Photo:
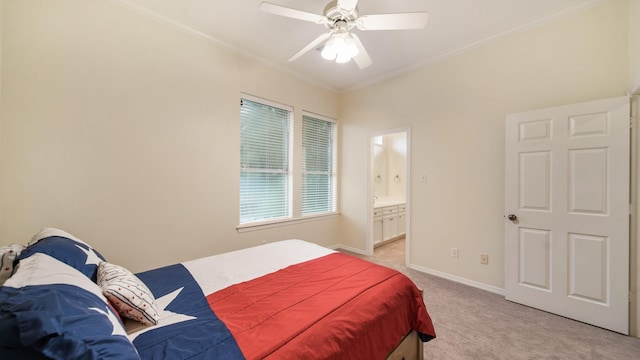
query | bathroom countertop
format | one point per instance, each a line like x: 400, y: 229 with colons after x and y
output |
x: 382, y: 202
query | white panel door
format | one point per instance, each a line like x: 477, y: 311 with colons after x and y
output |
x: 567, y: 211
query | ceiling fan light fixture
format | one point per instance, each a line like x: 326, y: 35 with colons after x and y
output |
x: 351, y: 46
x: 340, y: 17
x: 329, y: 52
x: 341, y: 47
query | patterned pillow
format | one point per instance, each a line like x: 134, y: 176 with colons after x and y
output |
x: 8, y: 255
x: 49, y: 309
x: 67, y: 249
x: 128, y: 294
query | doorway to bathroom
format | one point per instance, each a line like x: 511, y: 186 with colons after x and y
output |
x: 389, y: 188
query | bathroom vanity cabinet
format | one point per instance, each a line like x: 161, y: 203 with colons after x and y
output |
x: 389, y: 223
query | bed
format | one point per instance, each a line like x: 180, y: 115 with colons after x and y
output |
x: 283, y: 300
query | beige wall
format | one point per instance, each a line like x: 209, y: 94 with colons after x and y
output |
x: 1, y: 47
x: 634, y: 88
x: 124, y: 132
x: 456, y: 110
x: 634, y: 46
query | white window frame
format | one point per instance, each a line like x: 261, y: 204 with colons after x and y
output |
x: 295, y: 173
x: 332, y: 172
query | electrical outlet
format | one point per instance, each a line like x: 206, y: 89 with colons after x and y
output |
x: 484, y: 259
x: 454, y: 252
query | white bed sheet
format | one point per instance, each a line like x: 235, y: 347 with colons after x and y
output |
x: 217, y: 272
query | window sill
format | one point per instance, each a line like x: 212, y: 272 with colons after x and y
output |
x: 283, y: 222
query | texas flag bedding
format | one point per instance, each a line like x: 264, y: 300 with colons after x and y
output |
x: 285, y: 300
x: 188, y: 327
x: 331, y: 307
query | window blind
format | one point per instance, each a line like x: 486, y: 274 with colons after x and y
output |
x: 319, y: 153
x: 265, y: 142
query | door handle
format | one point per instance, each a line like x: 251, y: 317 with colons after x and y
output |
x: 512, y: 217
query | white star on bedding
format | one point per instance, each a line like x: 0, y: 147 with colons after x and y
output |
x: 166, y: 317
x: 92, y: 257
x: 117, y: 328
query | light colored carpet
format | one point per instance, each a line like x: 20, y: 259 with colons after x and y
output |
x: 475, y: 324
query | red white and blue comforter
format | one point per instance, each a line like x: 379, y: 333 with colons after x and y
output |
x: 287, y: 300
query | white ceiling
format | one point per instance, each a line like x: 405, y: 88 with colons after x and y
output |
x: 453, y: 26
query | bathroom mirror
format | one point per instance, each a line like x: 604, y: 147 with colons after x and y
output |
x: 389, y: 154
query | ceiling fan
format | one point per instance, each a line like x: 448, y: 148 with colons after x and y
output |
x: 340, y: 17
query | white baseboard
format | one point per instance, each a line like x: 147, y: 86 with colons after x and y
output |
x: 348, y: 248
x: 459, y: 279
x: 437, y: 273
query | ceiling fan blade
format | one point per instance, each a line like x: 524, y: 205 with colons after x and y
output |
x: 314, y: 44
x: 363, y: 59
x: 292, y: 13
x: 404, y: 21
x: 347, y: 5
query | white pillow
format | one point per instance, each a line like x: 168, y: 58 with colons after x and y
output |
x: 128, y: 294
x: 7, y: 256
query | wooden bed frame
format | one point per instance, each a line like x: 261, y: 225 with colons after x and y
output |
x: 410, y: 348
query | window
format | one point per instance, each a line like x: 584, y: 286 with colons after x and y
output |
x: 318, y: 165
x: 265, y: 160
x: 272, y: 188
